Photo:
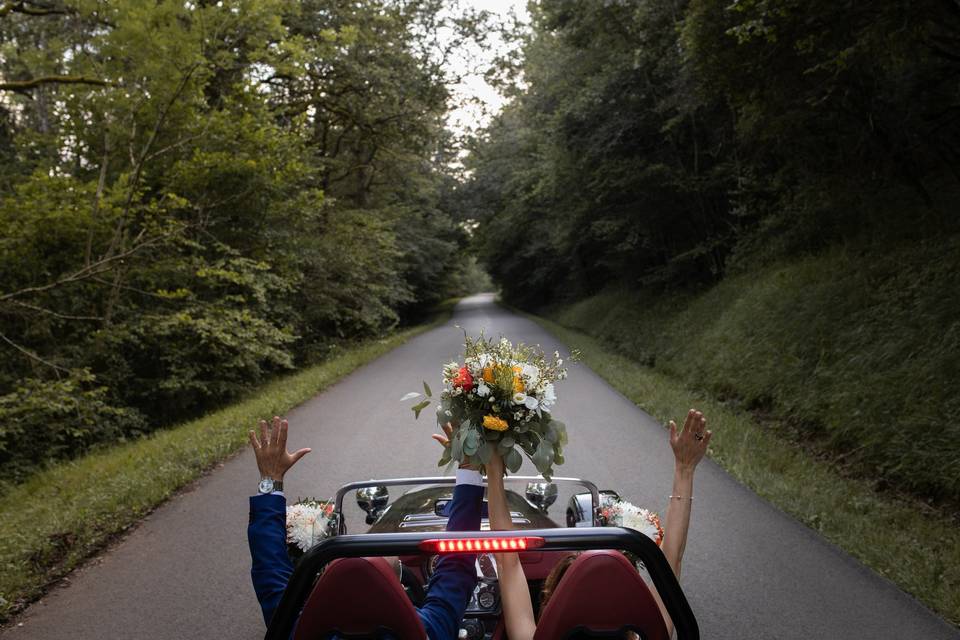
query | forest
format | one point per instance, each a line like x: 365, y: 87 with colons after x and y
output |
x: 197, y: 196
x: 757, y: 196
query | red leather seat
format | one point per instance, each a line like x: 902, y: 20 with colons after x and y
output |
x: 359, y: 597
x: 601, y: 592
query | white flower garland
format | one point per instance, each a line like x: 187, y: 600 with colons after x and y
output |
x: 625, y: 514
x: 308, y: 522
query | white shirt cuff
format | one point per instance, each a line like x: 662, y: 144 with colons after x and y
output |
x: 469, y: 476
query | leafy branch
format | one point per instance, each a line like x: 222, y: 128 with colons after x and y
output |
x: 25, y: 85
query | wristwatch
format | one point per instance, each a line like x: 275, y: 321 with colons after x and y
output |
x: 269, y: 485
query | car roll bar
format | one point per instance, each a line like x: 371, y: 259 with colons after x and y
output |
x: 402, y: 544
x: 341, y: 526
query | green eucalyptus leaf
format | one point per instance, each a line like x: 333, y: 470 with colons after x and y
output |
x: 512, y: 460
x: 543, y: 457
x: 485, y: 452
x: 443, y: 417
x: 550, y: 434
x: 456, y: 451
x: 445, y: 458
x: 561, y: 429
x: 426, y: 388
x: 471, y: 442
x: 420, y: 406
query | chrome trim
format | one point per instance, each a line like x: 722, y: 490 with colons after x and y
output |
x: 451, y: 480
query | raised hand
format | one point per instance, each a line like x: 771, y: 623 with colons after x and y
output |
x: 273, y: 459
x: 690, y: 445
x: 444, y: 439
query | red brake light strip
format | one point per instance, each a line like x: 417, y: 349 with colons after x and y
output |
x: 473, y: 545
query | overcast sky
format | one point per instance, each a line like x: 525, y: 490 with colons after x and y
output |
x: 474, y: 86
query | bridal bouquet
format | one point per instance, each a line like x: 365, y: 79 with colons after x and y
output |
x: 499, y: 399
x: 308, y: 522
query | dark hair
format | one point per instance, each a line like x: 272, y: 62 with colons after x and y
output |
x: 556, y: 574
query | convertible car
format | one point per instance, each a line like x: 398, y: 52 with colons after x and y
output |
x: 343, y: 584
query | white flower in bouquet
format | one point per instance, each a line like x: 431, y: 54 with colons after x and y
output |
x: 549, y: 396
x: 531, y: 373
x: 308, y: 523
x: 450, y: 370
x: 625, y: 514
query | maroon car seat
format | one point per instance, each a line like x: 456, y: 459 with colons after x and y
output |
x: 601, y: 592
x: 359, y: 597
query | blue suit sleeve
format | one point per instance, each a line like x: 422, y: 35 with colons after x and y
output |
x: 267, y: 536
x: 455, y: 577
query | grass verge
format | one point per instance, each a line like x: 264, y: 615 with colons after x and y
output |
x: 901, y: 538
x: 61, y: 516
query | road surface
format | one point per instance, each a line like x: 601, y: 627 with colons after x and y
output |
x: 750, y: 571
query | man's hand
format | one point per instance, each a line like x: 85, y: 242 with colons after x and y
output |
x: 690, y: 445
x: 273, y: 459
x: 445, y: 441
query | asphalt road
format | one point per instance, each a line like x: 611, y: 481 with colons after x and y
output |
x: 750, y: 571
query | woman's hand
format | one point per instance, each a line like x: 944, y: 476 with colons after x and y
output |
x: 690, y: 445
x: 495, y: 465
x: 273, y: 459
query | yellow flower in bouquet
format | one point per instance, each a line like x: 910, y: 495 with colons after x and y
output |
x: 494, y: 423
x: 517, y: 380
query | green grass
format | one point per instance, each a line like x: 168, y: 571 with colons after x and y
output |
x: 857, y: 353
x: 903, y: 539
x: 61, y: 516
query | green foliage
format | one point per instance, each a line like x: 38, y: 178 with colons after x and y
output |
x: 665, y: 149
x: 904, y: 540
x: 858, y: 353
x: 661, y: 144
x: 194, y: 197
x: 42, y: 419
x: 62, y: 515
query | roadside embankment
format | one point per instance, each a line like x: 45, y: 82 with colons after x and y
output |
x: 834, y: 384
x: 63, y: 515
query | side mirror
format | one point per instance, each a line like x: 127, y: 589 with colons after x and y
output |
x: 541, y: 495
x: 374, y: 501
x: 580, y: 505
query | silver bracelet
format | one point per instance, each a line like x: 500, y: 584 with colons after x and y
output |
x: 690, y: 498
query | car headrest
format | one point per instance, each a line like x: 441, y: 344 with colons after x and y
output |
x: 359, y: 597
x: 601, y: 592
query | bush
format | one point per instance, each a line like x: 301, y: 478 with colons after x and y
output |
x: 42, y: 420
x: 861, y: 353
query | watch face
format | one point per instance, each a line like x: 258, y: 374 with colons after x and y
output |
x: 266, y: 485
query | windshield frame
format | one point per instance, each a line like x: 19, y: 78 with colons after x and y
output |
x: 339, y: 524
